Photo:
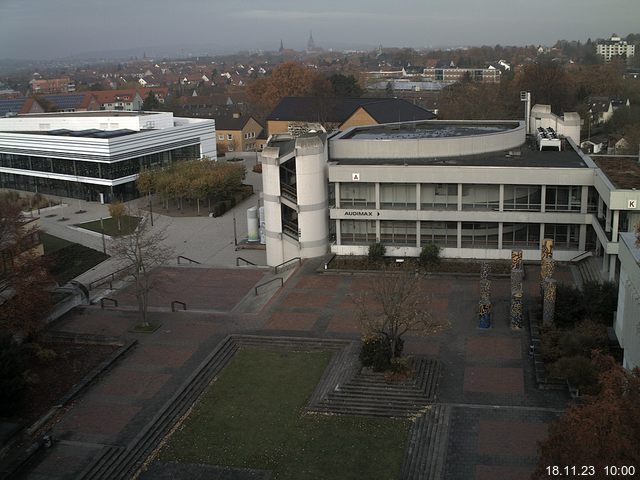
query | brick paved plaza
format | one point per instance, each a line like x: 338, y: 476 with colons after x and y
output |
x: 497, y: 413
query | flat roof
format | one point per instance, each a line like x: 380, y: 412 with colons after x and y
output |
x: 428, y: 130
x: 623, y: 172
x: 88, y: 133
x: 92, y: 113
x: 528, y: 157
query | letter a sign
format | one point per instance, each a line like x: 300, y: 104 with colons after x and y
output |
x: 355, y: 177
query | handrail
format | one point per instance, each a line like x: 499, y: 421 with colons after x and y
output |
x: 111, y: 277
x: 173, y: 305
x: 267, y: 283
x: 115, y: 302
x: 187, y: 258
x: 298, y: 259
x: 577, y: 258
x: 244, y: 260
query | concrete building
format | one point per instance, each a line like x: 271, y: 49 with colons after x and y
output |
x: 95, y: 155
x: 627, y: 320
x: 615, y: 47
x: 455, y: 74
x: 478, y: 189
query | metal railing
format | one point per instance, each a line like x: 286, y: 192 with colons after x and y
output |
x: 190, y: 260
x: 247, y: 262
x: 177, y: 302
x: 286, y: 264
x: 581, y: 256
x: 108, y: 278
x: 267, y: 283
x: 102, y: 300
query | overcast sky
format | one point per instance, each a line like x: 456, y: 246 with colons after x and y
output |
x: 43, y: 29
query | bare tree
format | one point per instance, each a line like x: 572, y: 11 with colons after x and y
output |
x: 142, y: 251
x: 396, y: 304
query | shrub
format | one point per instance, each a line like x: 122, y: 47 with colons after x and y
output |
x: 377, y: 252
x: 581, y: 340
x: 429, y: 255
x: 12, y: 375
x: 580, y: 371
x: 569, y: 306
x: 600, y: 301
x: 377, y: 353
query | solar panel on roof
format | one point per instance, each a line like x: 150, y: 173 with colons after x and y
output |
x: 65, y: 101
x: 11, y: 105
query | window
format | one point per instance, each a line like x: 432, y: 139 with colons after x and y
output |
x: 480, y: 197
x: 439, y: 196
x: 521, y: 235
x: 564, y: 236
x: 399, y: 196
x: 443, y: 234
x: 522, y: 197
x: 560, y: 198
x: 361, y: 195
x: 229, y: 136
x: 220, y: 137
x: 398, y: 233
x: 357, y: 232
x: 479, y: 235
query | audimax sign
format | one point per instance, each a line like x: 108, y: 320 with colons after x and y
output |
x: 361, y: 213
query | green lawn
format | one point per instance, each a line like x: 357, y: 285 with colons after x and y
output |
x: 252, y: 417
x: 127, y: 225
x: 52, y: 244
x: 68, y: 260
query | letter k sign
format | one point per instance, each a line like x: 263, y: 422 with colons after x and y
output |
x: 632, y: 204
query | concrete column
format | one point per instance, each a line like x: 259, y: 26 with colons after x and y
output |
x: 584, y: 199
x: 459, y: 239
x: 541, y: 236
x: 500, y: 227
x: 501, y: 202
x: 543, y: 200
x: 459, y: 197
x: 612, y: 267
x: 600, y: 206
x: 378, y: 231
x: 607, y: 221
x: 336, y: 191
x: 418, y: 197
x: 378, y: 199
x: 605, y: 262
x: 616, y: 223
x: 582, y: 238
x: 418, y: 241
x: 338, y: 233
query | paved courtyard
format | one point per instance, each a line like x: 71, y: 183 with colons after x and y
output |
x: 498, y: 414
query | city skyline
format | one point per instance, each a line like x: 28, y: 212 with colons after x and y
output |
x: 37, y: 30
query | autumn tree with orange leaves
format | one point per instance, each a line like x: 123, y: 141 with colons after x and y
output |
x: 603, y: 431
x: 289, y: 79
x: 24, y: 280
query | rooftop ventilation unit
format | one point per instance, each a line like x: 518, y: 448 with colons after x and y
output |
x: 547, y: 137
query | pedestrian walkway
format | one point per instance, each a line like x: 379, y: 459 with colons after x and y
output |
x: 489, y: 416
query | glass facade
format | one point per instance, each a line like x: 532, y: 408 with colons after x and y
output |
x: 360, y: 195
x: 520, y: 235
x: 480, y: 197
x: 443, y: 234
x: 398, y: 196
x: 439, y: 196
x: 479, y: 235
x: 525, y: 198
x: 398, y: 233
x: 357, y: 232
x: 82, y: 168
